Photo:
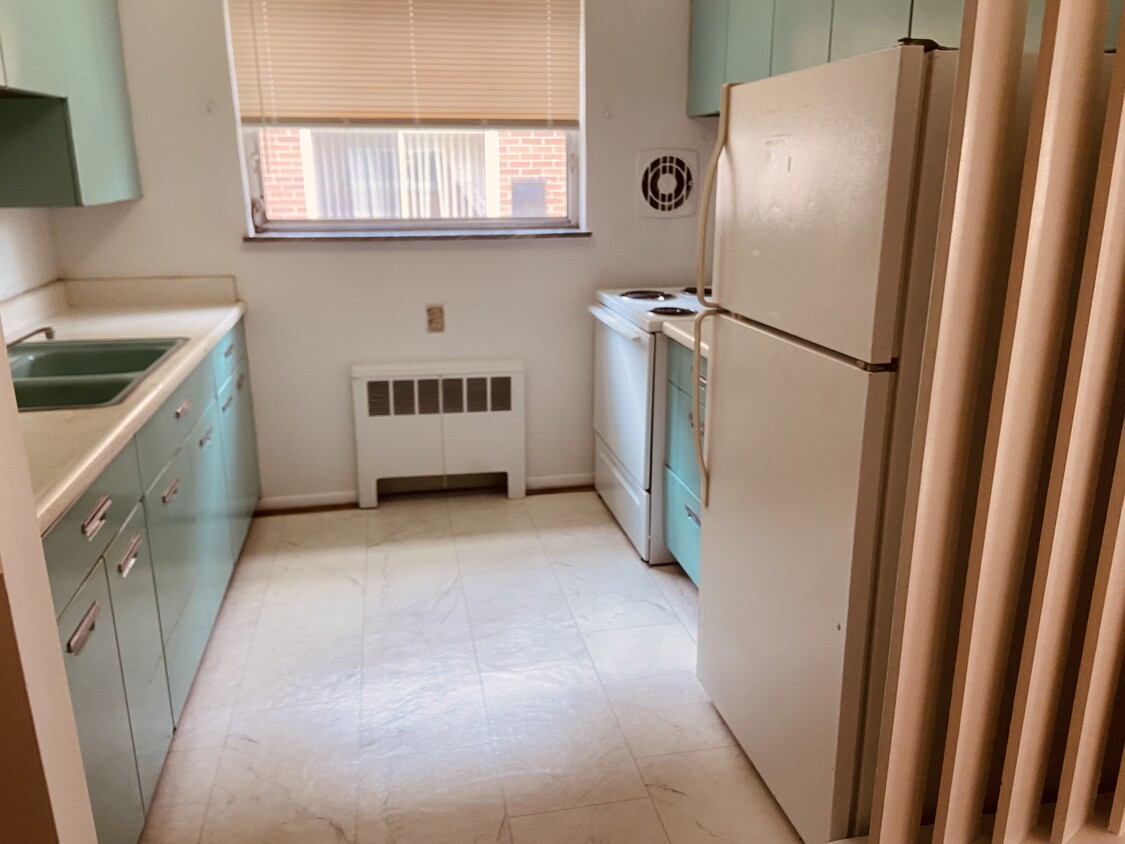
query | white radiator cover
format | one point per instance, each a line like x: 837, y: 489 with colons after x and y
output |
x: 416, y: 419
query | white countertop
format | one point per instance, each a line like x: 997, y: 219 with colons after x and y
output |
x: 68, y: 449
x: 683, y: 332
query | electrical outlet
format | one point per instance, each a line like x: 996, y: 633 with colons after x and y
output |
x: 435, y: 319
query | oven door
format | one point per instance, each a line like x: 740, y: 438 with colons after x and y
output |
x: 624, y: 371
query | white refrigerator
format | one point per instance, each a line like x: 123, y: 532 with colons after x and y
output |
x: 827, y: 211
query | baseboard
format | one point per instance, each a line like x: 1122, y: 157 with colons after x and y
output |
x: 560, y: 481
x: 299, y: 502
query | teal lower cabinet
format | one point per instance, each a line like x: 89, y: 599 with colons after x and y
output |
x: 93, y: 671
x: 682, y: 521
x: 139, y: 567
x: 133, y: 590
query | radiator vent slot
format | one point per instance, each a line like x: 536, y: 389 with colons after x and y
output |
x: 501, y: 393
x: 452, y: 395
x: 404, y: 398
x: 477, y: 394
x: 428, y: 400
x: 439, y: 419
x: 378, y: 398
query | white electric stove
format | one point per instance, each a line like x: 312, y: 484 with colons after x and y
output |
x: 630, y: 394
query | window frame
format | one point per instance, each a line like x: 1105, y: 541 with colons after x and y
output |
x: 262, y: 226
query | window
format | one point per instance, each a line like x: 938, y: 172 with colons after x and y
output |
x: 368, y: 115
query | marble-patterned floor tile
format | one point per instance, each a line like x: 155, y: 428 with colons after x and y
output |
x: 494, y: 554
x: 492, y: 520
x: 414, y: 522
x: 564, y: 507
x: 435, y: 652
x: 287, y: 776
x: 308, y: 575
x: 641, y: 651
x: 452, y: 795
x: 594, y: 532
x: 314, y: 619
x: 504, y: 645
x: 174, y: 823
x: 681, y: 594
x: 414, y: 589
x: 529, y: 596
x: 626, y: 822
x: 315, y: 670
x: 558, y: 696
x: 188, y: 776
x: 667, y: 713
x: 714, y: 797
x: 610, y: 599
x: 329, y: 529
x: 408, y: 714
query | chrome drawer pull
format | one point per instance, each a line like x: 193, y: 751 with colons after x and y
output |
x: 97, y: 518
x: 229, y: 351
x: 77, y: 642
x: 229, y: 403
x: 206, y: 438
x: 132, y: 554
x: 173, y: 488
x: 691, y: 515
x: 241, y: 380
x: 182, y: 410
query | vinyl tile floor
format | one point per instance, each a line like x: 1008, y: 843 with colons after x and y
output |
x: 455, y: 670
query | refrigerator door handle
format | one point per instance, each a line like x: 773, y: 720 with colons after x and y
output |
x: 615, y: 323
x: 697, y: 408
x: 707, y: 199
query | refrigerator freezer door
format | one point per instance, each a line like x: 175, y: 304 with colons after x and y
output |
x: 813, y: 201
x: 796, y: 443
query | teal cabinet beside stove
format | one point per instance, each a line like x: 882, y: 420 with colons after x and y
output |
x: 683, y: 511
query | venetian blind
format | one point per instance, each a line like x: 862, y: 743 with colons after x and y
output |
x: 425, y: 62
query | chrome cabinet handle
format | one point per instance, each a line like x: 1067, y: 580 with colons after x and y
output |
x: 171, y: 491
x: 81, y: 635
x: 206, y: 438
x: 229, y: 403
x: 229, y: 351
x: 241, y: 380
x: 132, y: 554
x: 693, y: 516
x: 94, y: 522
x: 182, y: 410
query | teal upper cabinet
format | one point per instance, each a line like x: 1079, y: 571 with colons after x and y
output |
x: 802, y: 34
x: 730, y: 42
x: 708, y: 55
x: 29, y: 39
x: 72, y: 143
x: 865, y: 26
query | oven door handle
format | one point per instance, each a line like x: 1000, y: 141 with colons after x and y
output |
x: 615, y: 323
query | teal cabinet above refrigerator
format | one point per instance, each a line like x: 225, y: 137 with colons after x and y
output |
x: 66, y: 130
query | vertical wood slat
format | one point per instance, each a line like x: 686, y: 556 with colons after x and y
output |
x: 1080, y: 439
x: 1108, y: 633
x: 989, y: 82
x: 997, y: 562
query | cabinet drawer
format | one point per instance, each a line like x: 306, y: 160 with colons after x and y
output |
x: 132, y: 588
x: 226, y: 356
x: 93, y: 672
x: 680, y: 453
x: 679, y: 366
x: 79, y: 538
x: 166, y: 430
x: 682, y: 514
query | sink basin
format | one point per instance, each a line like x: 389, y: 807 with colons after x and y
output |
x: 69, y: 374
x: 62, y: 358
x: 60, y: 393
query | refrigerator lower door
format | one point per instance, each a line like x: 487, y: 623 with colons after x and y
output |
x: 789, y: 541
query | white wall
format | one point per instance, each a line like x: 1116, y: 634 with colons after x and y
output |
x: 27, y: 255
x: 314, y: 309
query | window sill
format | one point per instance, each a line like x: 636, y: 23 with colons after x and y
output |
x: 422, y: 234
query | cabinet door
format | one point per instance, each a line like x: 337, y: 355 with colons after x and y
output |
x: 749, y: 40
x: 170, y: 508
x: 212, y: 517
x: 28, y: 36
x: 240, y: 444
x: 708, y: 55
x: 98, y: 102
x: 802, y: 30
x: 865, y: 26
x: 97, y: 691
x: 133, y: 589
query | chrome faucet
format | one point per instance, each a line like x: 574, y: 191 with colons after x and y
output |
x: 47, y: 331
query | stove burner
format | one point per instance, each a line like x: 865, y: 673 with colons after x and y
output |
x: 690, y: 291
x: 648, y: 295
x: 672, y: 312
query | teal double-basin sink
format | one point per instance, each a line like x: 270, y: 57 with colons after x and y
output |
x: 69, y: 374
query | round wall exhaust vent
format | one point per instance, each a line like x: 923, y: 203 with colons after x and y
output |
x: 666, y: 179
